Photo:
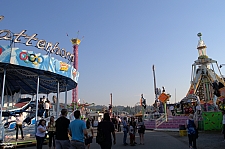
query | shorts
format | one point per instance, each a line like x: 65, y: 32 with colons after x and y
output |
x: 141, y: 131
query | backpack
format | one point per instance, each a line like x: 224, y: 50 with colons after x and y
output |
x: 100, y: 138
x: 191, y: 127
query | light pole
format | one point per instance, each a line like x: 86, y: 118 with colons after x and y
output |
x: 156, y: 94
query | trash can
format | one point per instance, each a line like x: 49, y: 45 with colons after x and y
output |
x: 182, y: 133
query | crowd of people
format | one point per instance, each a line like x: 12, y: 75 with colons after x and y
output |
x: 78, y: 134
x: 64, y: 134
x: 132, y: 126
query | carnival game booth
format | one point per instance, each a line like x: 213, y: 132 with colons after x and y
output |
x: 31, y: 73
x: 209, y: 117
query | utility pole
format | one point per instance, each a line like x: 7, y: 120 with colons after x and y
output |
x: 153, y: 69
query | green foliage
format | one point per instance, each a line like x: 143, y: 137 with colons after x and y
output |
x: 72, y: 106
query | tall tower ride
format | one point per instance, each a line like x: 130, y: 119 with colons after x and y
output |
x: 75, y: 42
x: 203, y: 76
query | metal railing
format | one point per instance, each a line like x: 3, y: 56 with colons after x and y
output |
x: 160, y: 120
x: 157, y: 118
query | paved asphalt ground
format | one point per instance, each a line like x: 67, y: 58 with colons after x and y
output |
x: 153, y: 140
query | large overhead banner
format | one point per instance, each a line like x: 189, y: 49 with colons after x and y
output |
x: 40, y: 43
x: 34, y: 60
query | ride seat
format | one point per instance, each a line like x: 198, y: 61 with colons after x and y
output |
x: 12, y: 126
x: 33, y: 121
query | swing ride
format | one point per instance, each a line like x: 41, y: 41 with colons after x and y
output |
x: 28, y: 72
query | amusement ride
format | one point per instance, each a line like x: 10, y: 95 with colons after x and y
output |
x: 31, y: 73
x: 206, y: 91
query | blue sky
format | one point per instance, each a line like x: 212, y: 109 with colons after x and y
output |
x: 123, y: 39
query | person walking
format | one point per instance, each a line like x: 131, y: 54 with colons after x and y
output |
x: 107, y: 128
x: 77, y: 130
x: 61, y: 131
x: 115, y: 122
x: 40, y: 134
x: 125, y: 131
x: 19, y: 125
x: 51, y: 132
x: 90, y: 133
x: 191, y: 127
x: 141, y: 130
